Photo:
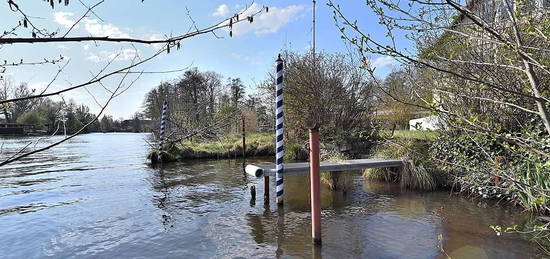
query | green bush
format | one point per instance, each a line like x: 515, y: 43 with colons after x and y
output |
x: 32, y: 118
x: 295, y: 152
x: 492, y: 166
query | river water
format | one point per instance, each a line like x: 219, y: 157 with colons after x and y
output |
x: 95, y: 196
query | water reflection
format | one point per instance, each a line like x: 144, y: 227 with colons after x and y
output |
x: 96, y: 197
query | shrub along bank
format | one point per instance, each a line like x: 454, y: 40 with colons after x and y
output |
x: 479, y: 165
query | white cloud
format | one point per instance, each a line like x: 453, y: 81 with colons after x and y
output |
x: 86, y: 46
x: 252, y: 60
x: 93, y: 27
x: 386, y: 61
x: 269, y: 22
x: 221, y: 11
x: 94, y: 58
x: 125, y: 54
x: 122, y: 55
x: 64, y: 19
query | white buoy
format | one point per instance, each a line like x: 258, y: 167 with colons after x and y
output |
x: 254, y: 170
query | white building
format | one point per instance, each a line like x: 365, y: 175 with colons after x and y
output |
x: 426, y: 123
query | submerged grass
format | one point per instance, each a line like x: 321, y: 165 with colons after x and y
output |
x: 336, y: 181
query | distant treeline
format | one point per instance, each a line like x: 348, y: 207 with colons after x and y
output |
x: 56, y: 117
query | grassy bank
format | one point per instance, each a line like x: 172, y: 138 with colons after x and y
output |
x: 257, y: 145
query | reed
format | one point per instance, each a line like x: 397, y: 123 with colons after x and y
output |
x: 417, y: 173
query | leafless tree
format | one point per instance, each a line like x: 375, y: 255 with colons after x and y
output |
x: 324, y: 91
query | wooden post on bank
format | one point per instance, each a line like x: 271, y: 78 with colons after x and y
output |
x: 315, y: 190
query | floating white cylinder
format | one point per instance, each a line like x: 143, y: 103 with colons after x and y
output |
x: 254, y: 170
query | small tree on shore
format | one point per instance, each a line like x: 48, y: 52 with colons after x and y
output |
x: 325, y: 90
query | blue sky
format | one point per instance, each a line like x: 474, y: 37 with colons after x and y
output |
x: 249, y: 54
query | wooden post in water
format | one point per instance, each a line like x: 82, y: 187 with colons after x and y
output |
x: 244, y: 141
x: 314, y: 166
x: 315, y: 190
x: 266, y: 189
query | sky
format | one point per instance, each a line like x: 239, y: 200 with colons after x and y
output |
x: 249, y: 54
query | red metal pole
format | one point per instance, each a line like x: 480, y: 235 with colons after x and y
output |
x: 315, y: 189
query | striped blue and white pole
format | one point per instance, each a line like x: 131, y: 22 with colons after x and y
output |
x: 162, y: 128
x: 279, y: 131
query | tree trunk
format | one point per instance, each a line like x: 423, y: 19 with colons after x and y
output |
x: 535, y: 82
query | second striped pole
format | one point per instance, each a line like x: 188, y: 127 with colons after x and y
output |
x: 279, y: 132
x: 162, y: 129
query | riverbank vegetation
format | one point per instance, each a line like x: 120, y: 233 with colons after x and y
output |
x: 493, y: 113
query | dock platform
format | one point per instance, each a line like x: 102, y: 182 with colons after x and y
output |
x: 258, y: 170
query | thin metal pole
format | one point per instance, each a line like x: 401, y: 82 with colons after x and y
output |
x: 315, y: 189
x: 313, y: 34
x: 279, y: 119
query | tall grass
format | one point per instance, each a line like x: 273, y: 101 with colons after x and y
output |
x: 415, y: 176
x: 413, y: 147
